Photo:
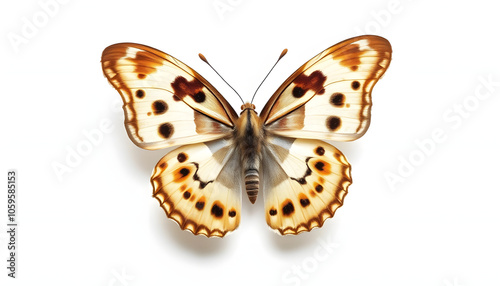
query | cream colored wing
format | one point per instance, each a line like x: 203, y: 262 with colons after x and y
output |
x: 166, y: 103
x: 306, y: 181
x: 199, y: 187
x: 329, y: 97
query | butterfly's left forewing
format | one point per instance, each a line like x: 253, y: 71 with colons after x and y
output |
x: 328, y: 98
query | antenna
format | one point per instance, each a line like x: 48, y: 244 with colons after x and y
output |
x: 283, y: 53
x: 202, y: 57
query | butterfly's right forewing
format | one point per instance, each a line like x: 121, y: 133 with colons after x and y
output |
x: 166, y: 103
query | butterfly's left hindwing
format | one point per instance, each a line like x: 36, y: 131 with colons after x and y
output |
x: 329, y: 97
x: 306, y: 181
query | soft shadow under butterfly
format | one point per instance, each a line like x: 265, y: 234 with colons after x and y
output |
x: 199, y: 185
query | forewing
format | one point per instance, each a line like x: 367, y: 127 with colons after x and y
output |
x: 329, y: 97
x: 306, y: 181
x: 199, y: 187
x: 166, y: 103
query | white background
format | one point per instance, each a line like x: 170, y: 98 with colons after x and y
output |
x: 410, y: 218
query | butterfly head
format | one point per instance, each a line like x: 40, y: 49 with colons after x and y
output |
x: 246, y: 106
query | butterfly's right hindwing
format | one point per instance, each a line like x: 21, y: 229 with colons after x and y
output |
x: 199, y: 187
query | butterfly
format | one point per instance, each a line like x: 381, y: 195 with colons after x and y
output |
x: 281, y: 151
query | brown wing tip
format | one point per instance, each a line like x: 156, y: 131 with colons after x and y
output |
x: 202, y: 57
x: 283, y: 53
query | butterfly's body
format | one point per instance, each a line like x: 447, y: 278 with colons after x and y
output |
x: 280, y: 152
x: 249, y: 136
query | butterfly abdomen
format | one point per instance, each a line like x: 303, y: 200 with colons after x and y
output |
x: 252, y: 184
x: 249, y: 137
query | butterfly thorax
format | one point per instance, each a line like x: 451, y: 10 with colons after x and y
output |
x: 249, y: 135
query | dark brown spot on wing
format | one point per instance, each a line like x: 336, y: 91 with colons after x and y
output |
x: 333, y: 123
x: 287, y: 208
x: 322, y: 167
x: 232, y: 213
x: 318, y: 188
x: 199, y: 97
x: 304, y: 201
x: 182, y: 88
x: 182, y: 157
x: 337, y: 99
x: 184, y: 172
x: 186, y: 195
x: 319, y: 166
x: 181, y: 174
x: 273, y: 212
x: 166, y: 130
x: 355, y: 85
x: 315, y: 82
x: 217, y: 209
x: 140, y: 93
x: 159, y: 107
x: 298, y: 92
x: 163, y: 165
x: 200, y: 204
x: 320, y: 151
